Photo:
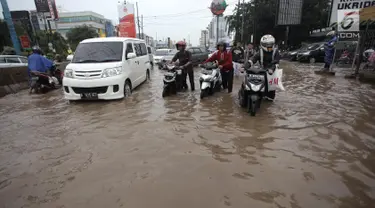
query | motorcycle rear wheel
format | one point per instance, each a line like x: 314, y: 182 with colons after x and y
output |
x: 204, y: 93
x: 165, y: 92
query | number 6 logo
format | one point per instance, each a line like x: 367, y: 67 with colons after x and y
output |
x: 346, y: 19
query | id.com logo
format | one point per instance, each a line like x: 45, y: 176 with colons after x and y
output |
x: 348, y: 20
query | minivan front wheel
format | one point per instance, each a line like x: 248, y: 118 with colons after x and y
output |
x: 127, y: 89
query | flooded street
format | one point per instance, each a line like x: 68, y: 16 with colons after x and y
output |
x: 313, y: 147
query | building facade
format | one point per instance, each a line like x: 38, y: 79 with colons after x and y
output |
x: 212, y: 30
x: 149, y: 40
x: 204, y: 39
x: 70, y: 20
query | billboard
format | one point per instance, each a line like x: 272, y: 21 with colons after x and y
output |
x: 126, y: 27
x: 348, y: 24
x: 289, y: 12
x: 41, y: 5
x: 53, y: 9
x: 354, y: 5
x: 218, y: 7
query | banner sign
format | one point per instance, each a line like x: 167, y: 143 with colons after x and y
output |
x: 41, y: 5
x: 53, y: 9
x: 25, y: 41
x: 126, y: 27
x: 354, y: 5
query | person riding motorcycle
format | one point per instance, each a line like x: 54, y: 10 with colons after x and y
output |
x: 267, y: 56
x: 184, y: 58
x: 37, y: 62
x: 224, y: 59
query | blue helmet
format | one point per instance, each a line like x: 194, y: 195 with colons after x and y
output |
x: 36, y: 49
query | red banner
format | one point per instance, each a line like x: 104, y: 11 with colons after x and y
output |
x: 126, y: 28
x: 25, y: 41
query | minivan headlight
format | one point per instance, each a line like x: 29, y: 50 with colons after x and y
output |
x: 68, y: 73
x: 110, y: 72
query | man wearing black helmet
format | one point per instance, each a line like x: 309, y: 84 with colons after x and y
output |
x: 224, y: 59
x: 37, y: 62
x: 184, y: 58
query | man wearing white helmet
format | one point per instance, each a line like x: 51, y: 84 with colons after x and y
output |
x: 267, y: 56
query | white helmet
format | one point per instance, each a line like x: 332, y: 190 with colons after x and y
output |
x: 267, y: 42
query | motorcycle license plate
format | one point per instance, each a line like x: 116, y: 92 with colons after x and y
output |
x: 179, y: 71
x: 34, y: 78
x: 256, y: 76
x: 89, y: 96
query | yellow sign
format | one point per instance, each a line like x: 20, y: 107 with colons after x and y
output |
x: 367, y: 13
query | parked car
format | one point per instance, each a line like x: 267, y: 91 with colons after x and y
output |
x: 198, y: 55
x: 12, y: 61
x: 160, y: 54
x: 312, y: 53
x: 106, y: 68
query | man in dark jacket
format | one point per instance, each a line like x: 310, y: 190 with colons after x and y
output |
x: 184, y: 58
x: 224, y: 58
x: 238, y: 58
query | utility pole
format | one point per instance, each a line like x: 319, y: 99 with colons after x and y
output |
x: 217, y: 29
x: 139, y: 26
x: 238, y: 21
x: 205, y: 38
x: 143, y: 33
x: 243, y: 20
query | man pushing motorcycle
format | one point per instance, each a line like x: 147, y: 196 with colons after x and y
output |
x: 267, y: 56
x: 184, y: 58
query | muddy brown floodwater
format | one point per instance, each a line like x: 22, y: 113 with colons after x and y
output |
x: 313, y: 147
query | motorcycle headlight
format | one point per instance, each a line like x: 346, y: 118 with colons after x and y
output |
x: 68, y: 73
x: 112, y: 72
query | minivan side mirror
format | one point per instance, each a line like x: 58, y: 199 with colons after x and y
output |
x: 131, y: 55
x: 69, y: 58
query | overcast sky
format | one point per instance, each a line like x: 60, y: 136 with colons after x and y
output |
x: 174, y: 18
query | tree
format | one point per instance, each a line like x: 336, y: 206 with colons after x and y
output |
x: 59, y: 43
x: 4, y: 35
x: 80, y: 33
x: 260, y: 19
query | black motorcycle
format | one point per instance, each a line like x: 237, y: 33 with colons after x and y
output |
x: 172, y: 80
x: 42, y: 82
x: 252, y: 89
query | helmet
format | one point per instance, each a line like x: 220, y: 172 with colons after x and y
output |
x: 36, y: 49
x: 267, y: 42
x: 330, y: 34
x: 180, y: 43
x: 221, y: 43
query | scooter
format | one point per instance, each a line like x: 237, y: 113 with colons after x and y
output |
x: 43, y: 82
x: 172, y: 80
x: 210, y: 79
x: 252, y: 89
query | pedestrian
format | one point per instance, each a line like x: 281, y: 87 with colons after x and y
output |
x: 238, y: 58
x: 225, y: 62
x: 329, y: 50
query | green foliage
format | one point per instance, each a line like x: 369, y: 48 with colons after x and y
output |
x: 260, y: 19
x: 59, y: 43
x: 80, y: 33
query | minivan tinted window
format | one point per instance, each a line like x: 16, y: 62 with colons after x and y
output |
x: 97, y: 52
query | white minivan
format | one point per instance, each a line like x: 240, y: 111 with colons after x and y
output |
x: 106, y: 68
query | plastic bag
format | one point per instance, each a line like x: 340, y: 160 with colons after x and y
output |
x: 275, y: 80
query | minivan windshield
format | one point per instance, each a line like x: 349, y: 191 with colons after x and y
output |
x: 162, y: 52
x: 98, y: 52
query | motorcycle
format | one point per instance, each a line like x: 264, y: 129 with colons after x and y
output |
x: 210, y: 79
x: 42, y: 82
x: 252, y: 89
x: 172, y: 80
x: 345, y: 58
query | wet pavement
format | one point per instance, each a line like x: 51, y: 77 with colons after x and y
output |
x: 313, y: 147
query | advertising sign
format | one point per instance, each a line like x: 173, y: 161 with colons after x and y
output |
x: 218, y: 7
x: 289, y: 12
x: 348, y: 24
x: 25, y: 41
x: 354, y: 5
x: 126, y: 27
x: 41, y: 5
x: 53, y: 9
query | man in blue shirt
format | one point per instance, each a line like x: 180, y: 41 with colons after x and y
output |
x: 37, y: 62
